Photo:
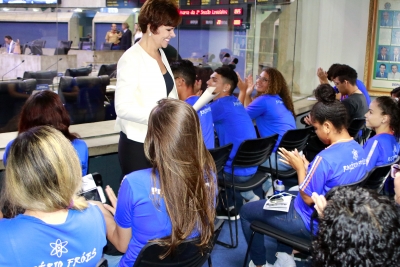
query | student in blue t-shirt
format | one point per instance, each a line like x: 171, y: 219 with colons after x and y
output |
x: 383, y: 117
x: 56, y: 226
x: 233, y: 125
x: 272, y: 107
x: 341, y: 163
x: 173, y: 201
x: 185, y: 81
x: 46, y: 108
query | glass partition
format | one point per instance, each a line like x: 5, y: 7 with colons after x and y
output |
x: 57, y: 42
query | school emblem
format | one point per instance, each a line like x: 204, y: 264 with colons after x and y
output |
x: 59, y: 248
x: 388, y: 5
x: 355, y: 154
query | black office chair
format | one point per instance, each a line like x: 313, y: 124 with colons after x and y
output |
x: 355, y: 126
x: 251, y: 153
x: 291, y: 140
x: 63, y: 47
x: 107, y: 69
x: 221, y: 155
x: 106, y: 46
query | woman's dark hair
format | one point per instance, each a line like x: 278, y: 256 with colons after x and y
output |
x: 278, y: 86
x: 358, y: 228
x: 158, y: 13
x: 395, y: 92
x: 328, y: 108
x: 174, y: 145
x: 45, y: 108
x: 390, y: 107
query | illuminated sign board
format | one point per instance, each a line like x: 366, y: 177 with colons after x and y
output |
x: 191, y: 22
x: 238, y: 11
x: 204, y: 12
x: 237, y: 22
x: 208, y: 22
x: 221, y: 22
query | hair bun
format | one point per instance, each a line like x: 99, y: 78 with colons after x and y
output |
x: 325, y: 93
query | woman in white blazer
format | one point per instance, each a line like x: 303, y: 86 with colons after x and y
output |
x: 143, y: 78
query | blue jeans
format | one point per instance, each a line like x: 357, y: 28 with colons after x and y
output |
x: 113, y: 261
x: 281, y: 166
x: 247, y: 195
x: 289, y: 222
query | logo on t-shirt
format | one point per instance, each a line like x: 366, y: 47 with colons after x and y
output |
x: 355, y: 154
x: 395, y: 150
x: 58, y: 248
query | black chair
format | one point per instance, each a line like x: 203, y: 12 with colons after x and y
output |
x: 355, y: 126
x: 85, y: 71
x: 107, y: 69
x: 85, y: 45
x: 41, y: 77
x: 63, y: 47
x: 106, y: 46
x: 13, y: 94
x: 291, y: 140
x: 251, y: 153
x: 221, y: 155
x: 376, y: 178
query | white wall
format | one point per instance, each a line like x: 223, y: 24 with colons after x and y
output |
x: 83, y: 3
x: 329, y: 32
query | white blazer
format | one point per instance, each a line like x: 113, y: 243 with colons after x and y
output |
x: 140, y: 84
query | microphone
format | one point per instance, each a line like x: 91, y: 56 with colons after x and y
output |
x: 54, y: 63
x: 12, y: 69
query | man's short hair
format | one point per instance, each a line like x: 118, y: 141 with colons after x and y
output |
x: 8, y: 37
x: 126, y: 25
x: 184, y: 69
x: 382, y: 65
x: 345, y: 72
x: 229, y: 77
x: 331, y: 70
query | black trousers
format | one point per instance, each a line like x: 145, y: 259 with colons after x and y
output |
x: 131, y: 155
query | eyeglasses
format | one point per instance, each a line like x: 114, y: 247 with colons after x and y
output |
x: 258, y: 77
x: 394, y: 169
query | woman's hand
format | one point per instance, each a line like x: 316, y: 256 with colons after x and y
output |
x: 307, y: 119
x: 250, y: 84
x: 397, y: 188
x: 113, y: 199
x: 320, y: 203
x: 197, y: 88
x: 294, y: 159
x: 242, y: 85
x: 322, y: 76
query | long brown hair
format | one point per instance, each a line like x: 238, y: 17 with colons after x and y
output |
x: 45, y: 108
x: 277, y: 86
x: 175, y: 147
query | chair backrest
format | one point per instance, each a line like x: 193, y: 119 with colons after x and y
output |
x: 295, y: 139
x: 85, y: 45
x: 221, y: 155
x: 254, y: 152
x: 105, y: 46
x: 63, y: 47
x: 107, y: 69
x: 355, y: 126
x: 85, y: 71
x: 41, y: 77
x: 374, y: 179
x: 186, y: 254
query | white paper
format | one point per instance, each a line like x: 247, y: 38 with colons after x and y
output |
x: 279, y: 206
x: 88, y: 183
x: 205, y: 98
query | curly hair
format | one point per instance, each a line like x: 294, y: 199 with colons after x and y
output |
x: 359, y: 228
x: 390, y: 107
x: 278, y: 86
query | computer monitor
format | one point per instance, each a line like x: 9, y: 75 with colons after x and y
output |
x: 41, y: 77
x: 63, y: 47
x: 78, y: 72
x: 36, y: 47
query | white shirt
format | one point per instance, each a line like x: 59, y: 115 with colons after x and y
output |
x: 140, y: 84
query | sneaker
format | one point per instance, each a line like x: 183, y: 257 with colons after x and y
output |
x: 224, y: 214
x: 284, y: 260
x: 251, y: 264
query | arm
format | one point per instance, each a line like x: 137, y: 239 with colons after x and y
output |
x: 300, y: 164
x: 107, y: 38
x: 322, y: 76
x: 397, y: 188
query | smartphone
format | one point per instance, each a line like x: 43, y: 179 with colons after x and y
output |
x: 90, y: 191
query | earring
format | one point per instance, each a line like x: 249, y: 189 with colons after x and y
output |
x: 224, y: 91
x: 150, y: 34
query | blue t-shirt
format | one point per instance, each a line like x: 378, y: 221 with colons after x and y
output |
x: 272, y: 116
x: 381, y: 149
x: 339, y: 164
x: 136, y: 210
x: 28, y: 241
x: 79, y: 145
x: 233, y: 125
x: 206, y: 122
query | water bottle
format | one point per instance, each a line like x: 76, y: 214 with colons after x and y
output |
x: 279, y: 187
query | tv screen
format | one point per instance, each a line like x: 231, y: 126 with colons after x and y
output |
x: 31, y: 2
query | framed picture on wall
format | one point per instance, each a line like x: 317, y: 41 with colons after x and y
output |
x: 382, y: 61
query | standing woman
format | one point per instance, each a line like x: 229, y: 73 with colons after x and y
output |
x: 272, y: 107
x: 383, y: 117
x: 143, y: 78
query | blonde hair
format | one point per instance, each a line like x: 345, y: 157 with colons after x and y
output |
x: 43, y: 172
x: 175, y: 147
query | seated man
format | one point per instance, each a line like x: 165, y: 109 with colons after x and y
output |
x: 233, y: 125
x: 185, y: 79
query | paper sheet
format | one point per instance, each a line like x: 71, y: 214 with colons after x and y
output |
x: 205, y: 98
x: 279, y: 206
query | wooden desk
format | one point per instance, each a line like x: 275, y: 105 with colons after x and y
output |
x: 34, y: 63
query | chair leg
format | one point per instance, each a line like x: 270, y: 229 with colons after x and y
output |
x: 209, y: 260
x: 248, y: 249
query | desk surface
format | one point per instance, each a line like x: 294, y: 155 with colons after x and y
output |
x: 101, y: 137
